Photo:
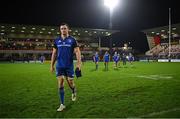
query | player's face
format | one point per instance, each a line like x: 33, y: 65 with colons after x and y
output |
x: 64, y: 30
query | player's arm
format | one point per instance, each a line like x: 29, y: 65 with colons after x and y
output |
x: 53, y: 59
x: 78, y: 57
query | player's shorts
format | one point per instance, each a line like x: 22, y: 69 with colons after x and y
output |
x: 131, y: 59
x: 106, y: 60
x: 96, y: 60
x: 68, y: 72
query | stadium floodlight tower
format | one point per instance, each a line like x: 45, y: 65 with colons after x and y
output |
x: 111, y: 4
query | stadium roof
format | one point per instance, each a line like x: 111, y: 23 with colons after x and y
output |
x: 163, y: 31
x: 6, y: 29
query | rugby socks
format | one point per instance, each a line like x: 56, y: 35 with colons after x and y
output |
x: 61, y: 94
x: 73, y: 89
x: 96, y: 66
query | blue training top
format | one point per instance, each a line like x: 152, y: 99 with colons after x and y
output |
x: 65, y: 51
x: 106, y: 57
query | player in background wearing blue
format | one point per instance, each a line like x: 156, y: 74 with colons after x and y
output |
x: 118, y: 59
x: 115, y: 56
x: 42, y: 59
x: 64, y: 48
x: 106, y: 60
x: 96, y: 60
x: 131, y: 58
x: 124, y: 59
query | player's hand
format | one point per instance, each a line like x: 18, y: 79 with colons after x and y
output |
x: 52, y: 69
x: 78, y: 66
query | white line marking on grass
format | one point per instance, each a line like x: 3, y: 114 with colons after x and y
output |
x: 155, y: 77
x: 160, y: 112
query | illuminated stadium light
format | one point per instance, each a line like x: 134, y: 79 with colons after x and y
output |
x: 70, y: 30
x: 52, y: 29
x: 40, y: 32
x: 58, y: 33
x: 95, y: 32
x: 175, y: 35
x: 152, y: 32
x: 2, y: 33
x: 86, y: 31
x: 76, y: 30
x: 157, y: 33
x: 22, y: 31
x: 111, y: 4
x: 13, y: 27
x: 49, y: 32
x: 174, y: 28
x: 2, y: 26
x: 33, y: 28
x: 43, y: 29
x: 2, y: 30
x: 23, y: 27
x: 162, y: 30
x: 79, y: 34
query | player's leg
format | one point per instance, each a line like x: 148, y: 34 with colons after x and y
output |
x: 70, y: 80
x: 72, y: 87
x: 60, y: 78
x: 61, y: 88
x: 96, y: 65
x: 114, y: 64
x: 61, y: 92
x: 107, y: 65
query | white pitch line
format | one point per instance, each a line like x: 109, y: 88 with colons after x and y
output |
x: 155, y: 77
x: 161, y: 112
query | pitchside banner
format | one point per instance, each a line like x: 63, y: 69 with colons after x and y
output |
x: 167, y: 60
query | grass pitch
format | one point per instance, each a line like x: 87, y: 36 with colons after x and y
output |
x: 144, y: 90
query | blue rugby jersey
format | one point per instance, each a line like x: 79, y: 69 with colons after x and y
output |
x: 65, y: 51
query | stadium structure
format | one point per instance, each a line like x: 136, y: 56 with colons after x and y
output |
x: 161, y: 47
x: 29, y: 42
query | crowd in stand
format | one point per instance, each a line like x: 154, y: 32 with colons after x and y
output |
x: 162, y: 51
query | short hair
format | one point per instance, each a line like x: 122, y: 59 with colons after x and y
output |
x: 62, y: 24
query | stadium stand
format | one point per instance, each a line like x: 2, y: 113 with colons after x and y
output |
x: 27, y: 42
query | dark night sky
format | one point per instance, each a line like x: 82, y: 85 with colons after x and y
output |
x: 130, y: 16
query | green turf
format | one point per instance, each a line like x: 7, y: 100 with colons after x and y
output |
x: 144, y: 90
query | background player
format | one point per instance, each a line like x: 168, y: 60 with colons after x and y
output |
x: 131, y: 58
x: 106, y: 60
x: 124, y: 59
x: 96, y: 60
x: 115, y: 56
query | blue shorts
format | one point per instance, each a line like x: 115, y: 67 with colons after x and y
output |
x: 131, y: 59
x: 106, y: 60
x: 96, y: 60
x: 68, y: 72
